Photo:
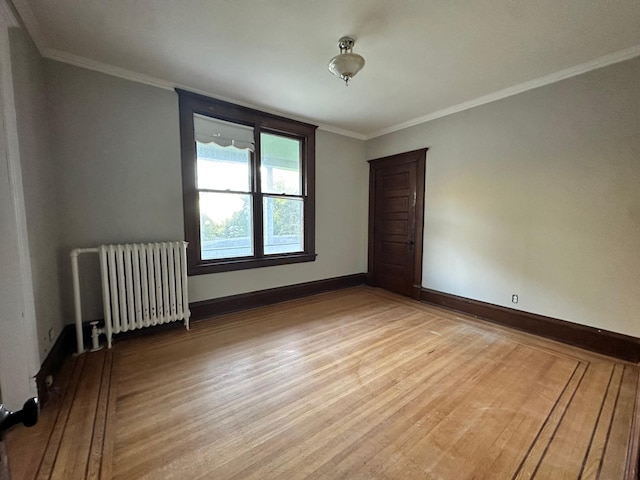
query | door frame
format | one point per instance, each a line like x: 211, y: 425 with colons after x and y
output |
x: 419, y: 157
x: 19, y: 352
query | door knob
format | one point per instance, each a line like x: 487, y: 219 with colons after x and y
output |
x: 28, y: 416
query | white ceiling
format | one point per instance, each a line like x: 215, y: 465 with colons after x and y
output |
x: 424, y: 58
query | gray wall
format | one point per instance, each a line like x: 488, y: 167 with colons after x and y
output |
x: 39, y: 185
x: 539, y: 195
x: 116, y: 147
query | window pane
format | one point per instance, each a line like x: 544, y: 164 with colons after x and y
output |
x: 223, y: 168
x: 226, y: 225
x: 283, y: 226
x: 280, y: 165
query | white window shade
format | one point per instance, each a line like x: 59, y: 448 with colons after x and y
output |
x: 225, y: 134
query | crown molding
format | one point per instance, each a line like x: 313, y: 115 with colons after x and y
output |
x: 31, y: 24
x: 340, y: 131
x: 610, y: 59
x: 96, y: 66
x: 8, y: 15
x: 125, y: 74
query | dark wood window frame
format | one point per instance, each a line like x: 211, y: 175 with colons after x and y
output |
x: 191, y: 103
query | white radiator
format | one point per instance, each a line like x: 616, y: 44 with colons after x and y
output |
x: 142, y: 285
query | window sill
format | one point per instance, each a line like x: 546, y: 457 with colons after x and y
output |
x: 245, y: 264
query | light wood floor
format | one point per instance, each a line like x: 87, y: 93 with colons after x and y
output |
x: 355, y: 384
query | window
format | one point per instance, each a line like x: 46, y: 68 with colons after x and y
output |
x: 248, y: 186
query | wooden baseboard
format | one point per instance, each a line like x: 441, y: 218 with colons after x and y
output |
x: 597, y: 340
x: 62, y: 348
x: 243, y: 301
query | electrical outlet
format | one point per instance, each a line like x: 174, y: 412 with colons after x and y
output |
x: 514, y: 298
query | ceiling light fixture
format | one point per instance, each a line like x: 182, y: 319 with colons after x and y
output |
x: 347, y: 64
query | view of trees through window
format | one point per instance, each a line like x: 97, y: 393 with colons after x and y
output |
x: 235, y: 226
x: 286, y: 221
x: 226, y: 204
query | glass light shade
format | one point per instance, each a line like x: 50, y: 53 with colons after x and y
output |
x: 346, y: 65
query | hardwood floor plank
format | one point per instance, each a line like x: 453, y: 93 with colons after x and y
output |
x: 632, y: 467
x: 313, y: 415
x: 205, y: 366
x: 324, y: 437
x: 50, y: 456
x: 615, y: 454
x: 205, y: 351
x: 106, y: 462
x: 98, y: 438
x: 29, y: 448
x: 383, y: 442
x: 513, y: 443
x: 290, y: 398
x: 593, y: 461
x: 353, y: 384
x: 73, y: 454
x: 539, y: 447
x: 469, y: 430
x: 568, y: 448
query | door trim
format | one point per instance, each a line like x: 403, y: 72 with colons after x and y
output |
x: 419, y: 157
x: 20, y: 355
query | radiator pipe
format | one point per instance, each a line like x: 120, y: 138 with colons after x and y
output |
x: 76, y: 294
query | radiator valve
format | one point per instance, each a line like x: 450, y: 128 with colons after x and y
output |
x: 95, y: 336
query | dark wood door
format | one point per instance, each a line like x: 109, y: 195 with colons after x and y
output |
x: 396, y: 210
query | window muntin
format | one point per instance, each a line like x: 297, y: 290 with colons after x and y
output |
x: 248, y: 185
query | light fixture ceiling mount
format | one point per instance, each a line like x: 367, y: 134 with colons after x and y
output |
x: 346, y: 64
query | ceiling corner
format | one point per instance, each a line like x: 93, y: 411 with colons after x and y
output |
x: 30, y: 22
